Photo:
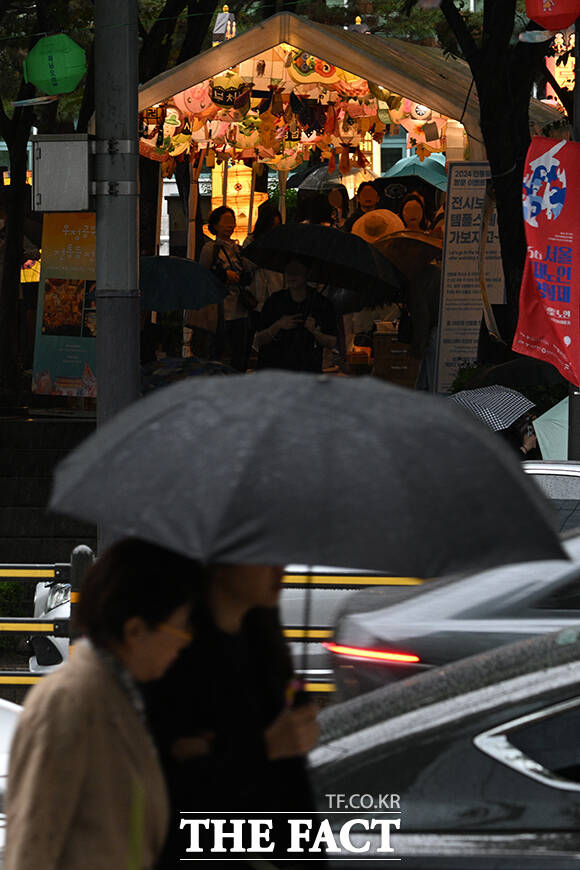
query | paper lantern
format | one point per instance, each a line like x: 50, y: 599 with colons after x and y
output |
x: 553, y: 14
x: 55, y: 64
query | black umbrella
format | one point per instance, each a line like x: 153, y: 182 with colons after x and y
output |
x: 280, y: 467
x: 175, y: 283
x: 336, y: 258
x: 167, y: 371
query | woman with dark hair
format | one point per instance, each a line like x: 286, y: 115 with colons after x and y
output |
x: 318, y: 210
x: 367, y: 199
x: 225, y: 261
x: 265, y: 281
x: 412, y: 212
x: 85, y: 786
x: 228, y: 734
x: 340, y: 203
x: 268, y: 218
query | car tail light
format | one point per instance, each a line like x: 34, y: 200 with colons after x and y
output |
x: 355, y: 652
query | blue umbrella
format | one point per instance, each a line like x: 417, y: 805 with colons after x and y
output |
x: 432, y: 170
x: 174, y: 283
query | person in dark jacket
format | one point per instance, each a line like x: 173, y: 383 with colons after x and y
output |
x: 229, y: 738
x: 296, y: 324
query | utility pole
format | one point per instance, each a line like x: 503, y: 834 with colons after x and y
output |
x: 116, y: 188
x: 574, y: 390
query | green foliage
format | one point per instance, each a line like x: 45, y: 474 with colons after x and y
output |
x: 291, y: 199
x: 469, y: 374
x: 16, y: 599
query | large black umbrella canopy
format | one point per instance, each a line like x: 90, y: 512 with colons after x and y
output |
x: 282, y: 467
x: 175, y: 283
x: 334, y: 257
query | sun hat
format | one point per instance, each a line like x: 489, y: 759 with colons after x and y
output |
x: 375, y: 225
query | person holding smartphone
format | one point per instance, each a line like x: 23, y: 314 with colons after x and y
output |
x: 296, y: 325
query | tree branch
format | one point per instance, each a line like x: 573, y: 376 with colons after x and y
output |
x: 565, y: 96
x: 498, y: 24
x: 466, y: 41
x: 197, y: 28
x: 156, y: 46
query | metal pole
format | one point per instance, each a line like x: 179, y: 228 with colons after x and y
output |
x: 81, y: 560
x: 225, y: 181
x: 192, y: 211
x: 282, y: 179
x: 574, y: 391
x: 116, y: 188
x: 251, y: 205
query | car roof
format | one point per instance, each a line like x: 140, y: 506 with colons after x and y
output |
x: 450, y: 681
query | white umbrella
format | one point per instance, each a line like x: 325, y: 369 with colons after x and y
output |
x: 498, y: 407
x: 551, y: 431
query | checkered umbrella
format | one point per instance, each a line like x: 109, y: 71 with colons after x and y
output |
x: 498, y: 407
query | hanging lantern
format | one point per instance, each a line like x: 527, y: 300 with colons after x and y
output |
x: 228, y: 89
x: 553, y: 14
x: 55, y: 64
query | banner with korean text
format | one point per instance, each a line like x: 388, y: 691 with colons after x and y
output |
x: 549, y: 314
x: 468, y: 256
x: 66, y: 321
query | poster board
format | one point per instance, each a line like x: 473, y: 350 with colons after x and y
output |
x: 461, y: 304
x: 65, y: 346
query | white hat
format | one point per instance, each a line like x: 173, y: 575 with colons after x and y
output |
x: 375, y: 225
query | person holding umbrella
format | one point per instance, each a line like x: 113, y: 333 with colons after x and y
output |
x: 85, y: 786
x: 228, y: 734
x: 224, y: 259
x: 296, y: 324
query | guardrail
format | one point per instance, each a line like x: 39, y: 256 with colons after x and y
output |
x: 65, y: 572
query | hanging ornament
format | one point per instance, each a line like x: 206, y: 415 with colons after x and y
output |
x: 224, y: 27
x: 55, y: 64
x: 228, y: 89
x: 553, y: 14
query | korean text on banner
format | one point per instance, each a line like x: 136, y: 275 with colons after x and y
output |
x: 461, y: 305
x: 549, y: 317
x: 66, y: 322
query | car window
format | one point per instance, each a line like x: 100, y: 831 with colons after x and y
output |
x: 564, y: 597
x: 568, y: 512
x: 553, y: 742
x: 563, y: 490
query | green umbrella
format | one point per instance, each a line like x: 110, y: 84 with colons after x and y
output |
x: 552, y: 431
x: 432, y: 170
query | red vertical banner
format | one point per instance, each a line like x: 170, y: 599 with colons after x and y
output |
x: 549, y: 314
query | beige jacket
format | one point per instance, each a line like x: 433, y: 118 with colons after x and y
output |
x: 85, y: 789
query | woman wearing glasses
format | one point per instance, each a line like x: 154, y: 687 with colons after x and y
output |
x: 85, y: 786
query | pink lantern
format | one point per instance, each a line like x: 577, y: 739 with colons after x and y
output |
x: 553, y: 14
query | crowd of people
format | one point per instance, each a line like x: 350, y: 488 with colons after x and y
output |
x: 275, y: 319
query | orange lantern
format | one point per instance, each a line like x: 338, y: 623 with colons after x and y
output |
x: 553, y: 14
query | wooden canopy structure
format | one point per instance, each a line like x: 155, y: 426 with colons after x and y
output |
x: 418, y: 72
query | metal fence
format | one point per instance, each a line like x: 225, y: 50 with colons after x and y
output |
x: 82, y: 557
